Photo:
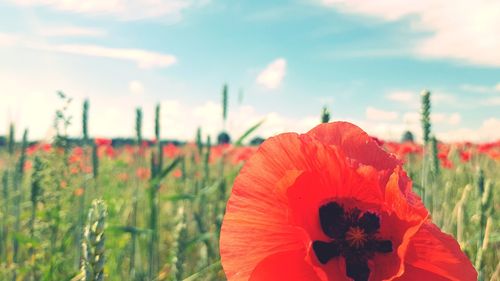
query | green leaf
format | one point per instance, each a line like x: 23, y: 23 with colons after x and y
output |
x: 239, y: 142
x: 126, y: 229
x: 170, y: 168
x: 157, y: 180
x: 178, y: 197
x: 25, y: 239
x: 199, y: 238
x: 195, y: 276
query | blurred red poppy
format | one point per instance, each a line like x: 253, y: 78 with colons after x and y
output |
x: 106, y: 150
x: 332, y: 205
x: 76, y: 155
x: 380, y: 142
x: 218, y: 151
x: 446, y: 163
x: 31, y: 150
x: 45, y: 147
x: 123, y: 177
x: 177, y: 173
x: 28, y: 165
x: 465, y: 156
x: 443, y: 159
x: 241, y: 154
x: 143, y: 173
x: 74, y: 170
x: 495, y: 155
x: 79, y: 191
x: 103, y: 141
x: 171, y: 150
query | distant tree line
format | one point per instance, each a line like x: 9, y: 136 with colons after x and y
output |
x: 223, y: 138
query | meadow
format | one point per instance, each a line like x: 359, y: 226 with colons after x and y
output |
x: 100, y: 209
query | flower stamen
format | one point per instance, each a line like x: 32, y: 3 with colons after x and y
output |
x: 353, y: 236
x: 356, y: 237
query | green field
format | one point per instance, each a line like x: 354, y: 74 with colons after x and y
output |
x: 162, y: 204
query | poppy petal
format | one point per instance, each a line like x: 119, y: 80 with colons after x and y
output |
x: 256, y: 224
x: 355, y: 143
x: 312, y: 191
x: 438, y: 253
x: 399, y: 223
x: 360, y: 148
x: 413, y: 273
x: 275, y: 225
x: 290, y: 266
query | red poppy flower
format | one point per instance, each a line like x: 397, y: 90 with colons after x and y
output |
x: 332, y: 205
x: 465, y: 156
x: 32, y: 149
x: 171, y: 150
x: 46, y: 147
x: 380, y: 142
x: 241, y: 154
x: 79, y: 191
x: 102, y: 141
x: 177, y: 173
x: 28, y: 165
x: 123, y: 177
x: 129, y: 149
x: 76, y: 155
x: 106, y: 150
x: 74, y: 170
x: 217, y: 151
x: 143, y: 173
x: 495, y: 155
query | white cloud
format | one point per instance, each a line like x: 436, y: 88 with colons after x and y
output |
x: 411, y: 118
x: 114, y: 116
x: 71, y: 31
x: 184, y: 119
x: 272, y: 76
x: 493, y: 101
x: 120, y: 9
x: 481, y: 88
x: 436, y: 118
x: 374, y: 114
x: 443, y: 118
x: 402, y: 96
x: 35, y: 110
x: 454, y: 119
x: 488, y: 131
x: 135, y: 87
x: 144, y: 59
x: 442, y: 98
x: 466, y: 31
x: 7, y: 39
x: 412, y: 98
x: 475, y: 88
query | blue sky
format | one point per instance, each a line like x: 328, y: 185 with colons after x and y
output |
x: 367, y: 62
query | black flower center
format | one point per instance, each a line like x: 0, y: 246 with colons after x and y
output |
x: 354, y: 236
